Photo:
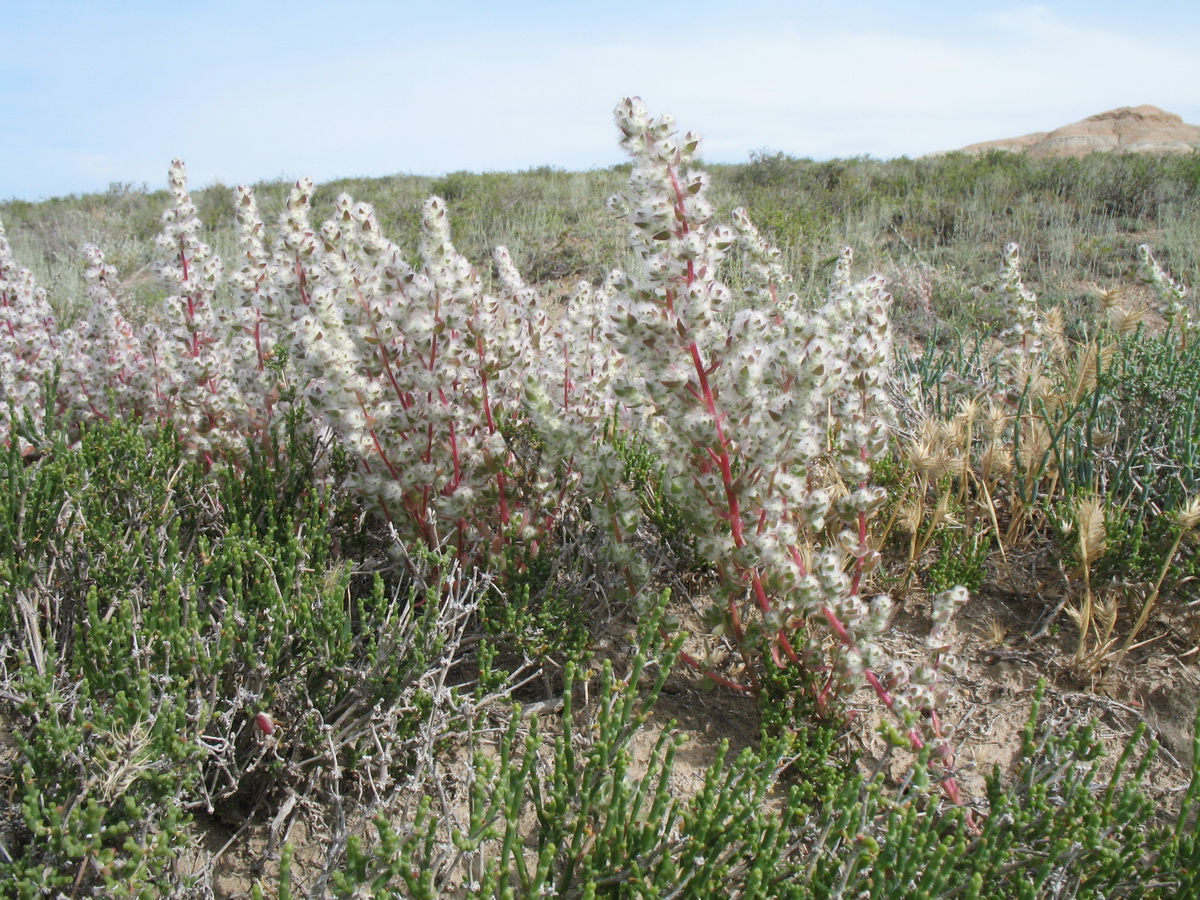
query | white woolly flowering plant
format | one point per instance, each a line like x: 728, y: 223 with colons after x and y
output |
x: 767, y: 419
x: 1174, y: 299
x: 197, y: 367
x: 766, y: 416
x: 1021, y: 353
x: 434, y: 386
x: 30, y: 351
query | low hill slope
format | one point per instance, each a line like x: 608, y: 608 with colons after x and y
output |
x: 1130, y: 129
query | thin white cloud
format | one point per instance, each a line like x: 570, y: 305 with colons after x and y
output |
x: 440, y: 101
x: 855, y: 93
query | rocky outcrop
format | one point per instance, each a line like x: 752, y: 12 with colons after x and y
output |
x: 1130, y: 129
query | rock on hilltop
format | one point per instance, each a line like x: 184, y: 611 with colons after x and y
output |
x: 1130, y: 129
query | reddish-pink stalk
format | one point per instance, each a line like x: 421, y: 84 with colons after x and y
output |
x: 258, y: 350
x: 92, y: 406
x: 183, y: 257
x: 721, y: 456
x: 387, y: 367
x: 454, y: 456
x: 194, y: 350
x: 695, y: 664
x: 501, y: 481
x: 950, y: 784
x: 392, y: 470
x: 302, y: 282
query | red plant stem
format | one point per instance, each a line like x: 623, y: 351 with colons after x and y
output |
x: 392, y: 470
x: 950, y: 785
x: 258, y: 339
x: 183, y: 257
x: 566, y: 377
x: 302, y: 282
x: 387, y: 367
x: 721, y: 457
x: 454, y: 454
x: 501, y: 481
x: 862, y: 549
x: 843, y: 635
x: 91, y: 405
x: 189, y: 296
x: 722, y: 461
x: 694, y: 664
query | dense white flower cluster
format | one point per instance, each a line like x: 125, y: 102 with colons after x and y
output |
x: 767, y: 419
x: 196, y: 370
x: 199, y: 366
x: 422, y: 375
x: 257, y: 318
x: 764, y: 274
x: 1022, y: 338
x: 29, y: 343
x: 105, y: 362
x: 408, y: 367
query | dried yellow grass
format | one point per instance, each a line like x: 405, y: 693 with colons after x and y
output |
x: 1188, y: 518
x: 1092, y: 540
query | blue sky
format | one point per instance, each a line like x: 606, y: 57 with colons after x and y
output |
x: 93, y: 93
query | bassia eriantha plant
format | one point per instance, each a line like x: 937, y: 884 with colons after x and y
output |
x: 1173, y: 297
x: 106, y: 364
x: 29, y: 346
x: 423, y: 377
x: 473, y: 417
x: 1022, y: 342
x: 199, y: 367
x: 413, y: 374
x: 767, y: 419
x: 767, y: 416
